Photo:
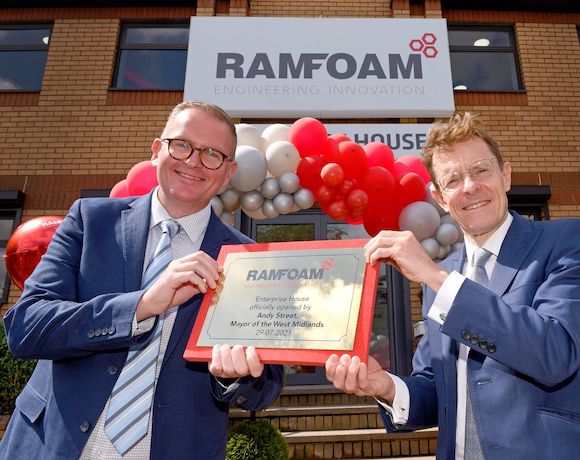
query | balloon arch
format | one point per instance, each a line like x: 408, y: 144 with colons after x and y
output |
x: 288, y: 168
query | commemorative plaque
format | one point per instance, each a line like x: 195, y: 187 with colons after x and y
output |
x: 296, y: 302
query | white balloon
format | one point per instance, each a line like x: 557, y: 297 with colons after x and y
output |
x: 249, y: 135
x: 421, y: 218
x: 282, y: 157
x: 304, y: 198
x: 289, y: 182
x: 251, y: 169
x: 447, y: 234
x: 269, y: 210
x: 270, y: 188
x: 228, y: 218
x: 283, y: 203
x: 251, y: 201
x: 217, y: 205
x: 257, y: 214
x: 431, y: 247
x: 230, y: 199
x: 274, y: 133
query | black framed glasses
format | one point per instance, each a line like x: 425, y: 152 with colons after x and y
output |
x: 478, y: 171
x: 209, y: 157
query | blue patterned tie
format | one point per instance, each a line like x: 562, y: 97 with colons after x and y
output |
x: 472, y: 444
x: 127, y: 420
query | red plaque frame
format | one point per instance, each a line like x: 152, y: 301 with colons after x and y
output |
x: 296, y: 356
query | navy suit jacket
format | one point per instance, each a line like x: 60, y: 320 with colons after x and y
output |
x: 75, y: 316
x: 524, y: 332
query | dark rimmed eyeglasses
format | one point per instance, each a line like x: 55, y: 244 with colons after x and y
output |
x: 478, y: 171
x: 209, y: 157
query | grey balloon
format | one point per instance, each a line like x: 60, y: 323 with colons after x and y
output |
x: 270, y: 188
x: 447, y: 234
x: 257, y: 214
x: 443, y: 251
x: 251, y: 169
x: 421, y: 218
x: 429, y: 199
x: 231, y: 199
x: 289, y: 182
x: 431, y: 247
x: 228, y: 218
x: 269, y: 210
x: 251, y: 201
x: 217, y: 205
x: 304, y: 198
x: 283, y: 203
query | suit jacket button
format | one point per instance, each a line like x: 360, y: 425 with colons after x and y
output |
x: 112, y: 369
x: 97, y: 332
x: 90, y: 334
x: 112, y: 330
x: 483, y: 345
x: 491, y: 348
x: 466, y: 335
x: 85, y: 426
x: 241, y: 400
x: 474, y: 339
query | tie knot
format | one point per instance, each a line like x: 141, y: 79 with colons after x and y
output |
x: 170, y: 227
x: 480, y: 257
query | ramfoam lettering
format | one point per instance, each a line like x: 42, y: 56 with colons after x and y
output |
x: 340, y: 66
x: 285, y: 273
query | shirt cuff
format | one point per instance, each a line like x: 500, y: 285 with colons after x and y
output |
x: 445, y: 297
x: 399, y: 411
x: 139, y: 328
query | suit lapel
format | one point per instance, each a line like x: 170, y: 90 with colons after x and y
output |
x: 519, y: 241
x: 134, y: 233
x: 215, y: 237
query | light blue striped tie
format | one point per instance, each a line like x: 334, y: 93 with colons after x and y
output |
x: 127, y: 420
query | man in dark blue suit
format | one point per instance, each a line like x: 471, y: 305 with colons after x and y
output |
x: 498, y: 367
x: 84, y: 307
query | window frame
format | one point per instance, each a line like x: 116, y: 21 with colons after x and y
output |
x: 513, y: 49
x: 30, y: 47
x: 121, y: 46
x: 11, y: 204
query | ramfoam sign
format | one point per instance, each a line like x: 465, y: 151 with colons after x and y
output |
x: 332, y: 68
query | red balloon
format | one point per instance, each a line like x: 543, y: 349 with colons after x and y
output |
x: 387, y: 219
x: 27, y: 245
x: 337, y: 210
x: 141, y: 178
x: 352, y: 158
x: 308, y: 171
x: 119, y: 190
x: 345, y: 188
x: 379, y: 154
x: 309, y: 136
x: 357, y: 200
x: 325, y: 195
x: 339, y: 137
x: 332, y: 175
x: 415, y: 164
x: 410, y: 188
x: 379, y: 185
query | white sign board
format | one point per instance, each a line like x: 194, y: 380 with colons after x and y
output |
x: 327, y: 68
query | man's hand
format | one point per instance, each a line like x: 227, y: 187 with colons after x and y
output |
x: 227, y: 362
x: 351, y: 375
x: 182, y: 279
x: 405, y: 253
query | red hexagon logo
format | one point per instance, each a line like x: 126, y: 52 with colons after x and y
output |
x: 416, y: 45
x: 430, y: 51
x: 429, y: 39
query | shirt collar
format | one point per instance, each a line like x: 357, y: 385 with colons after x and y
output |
x: 494, y: 242
x: 194, y: 224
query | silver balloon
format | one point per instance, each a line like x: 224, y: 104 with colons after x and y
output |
x: 289, y: 182
x: 228, y: 218
x: 283, y: 203
x: 443, y: 252
x: 421, y: 218
x: 269, y: 210
x: 251, y: 169
x: 217, y: 205
x: 282, y: 157
x: 304, y: 198
x: 249, y: 135
x: 257, y: 214
x: 230, y: 199
x: 429, y: 199
x: 447, y: 219
x: 447, y: 234
x: 251, y: 201
x: 431, y: 247
x: 270, y: 188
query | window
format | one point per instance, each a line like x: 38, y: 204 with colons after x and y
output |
x: 152, y: 56
x: 23, y: 53
x: 484, y: 59
x: 11, y: 202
